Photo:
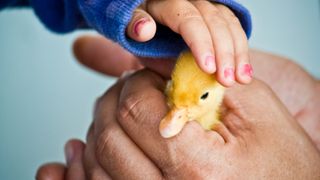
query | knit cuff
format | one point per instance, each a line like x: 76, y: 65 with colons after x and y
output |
x: 111, y: 17
x: 13, y: 3
x: 61, y: 16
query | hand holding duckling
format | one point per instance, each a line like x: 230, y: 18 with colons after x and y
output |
x: 92, y: 50
x: 257, y: 139
x: 211, y: 30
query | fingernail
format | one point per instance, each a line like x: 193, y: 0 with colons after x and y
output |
x: 137, y: 25
x: 69, y: 153
x: 247, y: 70
x: 229, y: 74
x: 210, y: 64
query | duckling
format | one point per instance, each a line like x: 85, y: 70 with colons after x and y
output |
x: 191, y: 95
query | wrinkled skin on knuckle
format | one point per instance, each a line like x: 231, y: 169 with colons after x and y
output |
x: 137, y: 105
x: 105, y: 141
x: 242, y: 56
x: 180, y: 14
x: 217, y: 21
x: 188, y: 21
x: 130, y: 109
x: 233, y: 20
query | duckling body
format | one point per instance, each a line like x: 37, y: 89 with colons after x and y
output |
x: 191, y: 95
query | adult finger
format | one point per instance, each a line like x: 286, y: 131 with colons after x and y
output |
x: 142, y: 106
x: 222, y: 41
x: 121, y: 163
x: 51, y: 171
x: 74, y: 152
x: 243, y: 69
x: 252, y: 106
x: 93, y: 169
x: 163, y: 67
x: 104, y: 56
x: 142, y: 27
x: 183, y: 18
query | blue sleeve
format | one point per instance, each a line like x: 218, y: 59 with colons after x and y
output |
x: 15, y: 3
x: 60, y: 16
x: 111, y: 17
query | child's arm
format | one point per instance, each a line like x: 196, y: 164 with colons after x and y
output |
x: 112, y: 17
x: 214, y: 32
x: 14, y: 3
x: 61, y: 16
x: 217, y: 47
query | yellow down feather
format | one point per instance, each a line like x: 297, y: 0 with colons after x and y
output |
x: 191, y: 95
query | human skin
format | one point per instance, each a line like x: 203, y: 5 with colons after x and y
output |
x: 295, y: 87
x: 257, y: 136
x: 211, y: 31
x: 303, y: 83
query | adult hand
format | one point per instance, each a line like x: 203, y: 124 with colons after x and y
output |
x: 258, y: 137
x: 297, y: 89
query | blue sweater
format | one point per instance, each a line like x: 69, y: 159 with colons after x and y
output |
x: 110, y: 18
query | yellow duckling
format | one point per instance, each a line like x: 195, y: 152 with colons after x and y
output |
x: 191, y: 95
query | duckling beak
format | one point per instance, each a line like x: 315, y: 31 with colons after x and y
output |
x: 173, y: 122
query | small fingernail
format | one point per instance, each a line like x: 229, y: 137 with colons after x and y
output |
x: 137, y: 25
x: 69, y: 153
x: 229, y: 74
x: 210, y: 64
x: 247, y: 70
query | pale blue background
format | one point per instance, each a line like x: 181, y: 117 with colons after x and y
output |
x: 47, y: 98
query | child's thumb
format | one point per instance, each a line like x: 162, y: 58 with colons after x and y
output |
x: 142, y: 26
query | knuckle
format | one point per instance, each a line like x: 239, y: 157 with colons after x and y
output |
x: 218, y: 21
x: 90, y: 132
x: 97, y: 105
x: 227, y: 55
x: 106, y: 140
x: 242, y: 56
x: 102, y: 99
x: 128, y: 109
x: 233, y: 20
x: 189, y: 19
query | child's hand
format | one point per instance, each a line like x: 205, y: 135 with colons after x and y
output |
x: 212, y: 32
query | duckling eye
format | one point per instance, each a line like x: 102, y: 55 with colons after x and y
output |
x: 204, y: 96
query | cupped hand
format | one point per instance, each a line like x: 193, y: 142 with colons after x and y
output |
x: 211, y: 30
x: 258, y: 138
x: 296, y: 88
x: 258, y: 135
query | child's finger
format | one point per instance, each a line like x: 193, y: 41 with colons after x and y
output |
x: 222, y: 41
x: 142, y: 27
x: 243, y: 67
x: 183, y: 18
